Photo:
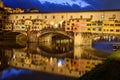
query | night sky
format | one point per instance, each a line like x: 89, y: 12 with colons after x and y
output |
x: 64, y: 5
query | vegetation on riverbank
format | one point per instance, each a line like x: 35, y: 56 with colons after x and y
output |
x: 109, y: 70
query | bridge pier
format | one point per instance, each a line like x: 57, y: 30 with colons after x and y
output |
x: 82, y: 39
x: 33, y: 37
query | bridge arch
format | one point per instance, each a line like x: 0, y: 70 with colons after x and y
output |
x: 67, y: 34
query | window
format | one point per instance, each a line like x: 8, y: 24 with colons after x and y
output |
x: 117, y: 30
x: 16, y: 17
x: 23, y: 17
x: 30, y: 17
x: 62, y: 17
x: 22, y: 26
x: 75, y: 28
x: 77, y: 20
x: 73, y: 24
x: 71, y: 17
x: 87, y: 66
x: 53, y: 17
x: 68, y: 28
x: 68, y: 24
x: 99, y: 29
x: 89, y: 29
x: 45, y: 17
x: 93, y: 29
x: 117, y: 24
x: 88, y: 20
x: 114, y: 15
x: 91, y: 16
x: 111, y: 30
x: 104, y: 29
x: 29, y: 22
x: 88, y: 24
x: 93, y: 24
x: 111, y: 24
x: 99, y: 24
x: 81, y: 17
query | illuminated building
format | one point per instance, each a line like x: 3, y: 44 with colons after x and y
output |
x: 8, y: 9
x: 1, y: 4
x: 18, y: 10
x: 3, y: 18
x: 74, y: 21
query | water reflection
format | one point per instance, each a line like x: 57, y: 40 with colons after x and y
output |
x: 59, y: 58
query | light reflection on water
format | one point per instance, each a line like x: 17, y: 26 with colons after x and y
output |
x: 67, y: 56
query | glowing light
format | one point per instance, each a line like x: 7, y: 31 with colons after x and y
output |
x: 61, y: 22
x: 13, y: 56
x: 51, y: 60
x: 56, y: 25
x: 51, y: 23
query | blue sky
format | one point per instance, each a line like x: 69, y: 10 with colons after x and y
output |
x: 64, y: 5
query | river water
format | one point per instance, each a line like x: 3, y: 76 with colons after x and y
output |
x: 58, y: 49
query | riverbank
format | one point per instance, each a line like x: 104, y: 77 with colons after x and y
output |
x: 109, y: 70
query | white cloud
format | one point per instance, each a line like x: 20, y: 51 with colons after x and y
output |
x: 80, y: 3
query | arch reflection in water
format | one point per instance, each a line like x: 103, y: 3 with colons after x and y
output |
x: 39, y: 60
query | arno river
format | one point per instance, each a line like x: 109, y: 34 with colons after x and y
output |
x: 54, y: 54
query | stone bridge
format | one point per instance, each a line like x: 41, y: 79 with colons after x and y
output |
x: 79, y: 38
x: 33, y: 36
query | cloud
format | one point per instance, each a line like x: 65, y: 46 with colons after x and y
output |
x: 64, y: 5
x: 79, y: 3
